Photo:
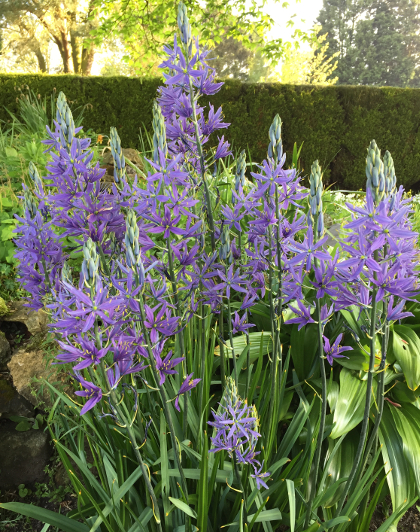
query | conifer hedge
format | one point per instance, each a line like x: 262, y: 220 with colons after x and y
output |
x: 335, y: 123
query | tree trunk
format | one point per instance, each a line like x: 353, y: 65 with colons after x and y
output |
x: 66, y: 54
x: 41, y: 60
x: 75, y: 52
x: 88, y: 55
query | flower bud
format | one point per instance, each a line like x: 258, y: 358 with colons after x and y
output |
x: 66, y: 273
x: 320, y: 224
x: 117, y: 154
x: 90, y: 262
x: 315, y: 193
x: 240, y: 173
x: 389, y: 173
x: 374, y: 170
x: 183, y: 24
x: 29, y: 202
x: 275, y: 148
x: 224, y: 251
x: 159, y: 135
x: 34, y: 175
x: 65, y: 120
x: 131, y: 239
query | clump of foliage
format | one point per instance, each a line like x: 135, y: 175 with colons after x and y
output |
x: 231, y: 368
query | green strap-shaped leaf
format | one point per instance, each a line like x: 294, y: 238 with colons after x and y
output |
x: 292, y: 503
x: 46, y: 516
x: 399, y: 472
x: 181, y: 505
x: 239, y: 344
x: 350, y: 405
x: 406, y: 347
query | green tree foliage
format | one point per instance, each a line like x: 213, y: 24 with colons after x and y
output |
x: 232, y: 59
x: 28, y: 24
x: 378, y: 41
x: 24, y: 44
x: 145, y: 26
x: 314, y: 67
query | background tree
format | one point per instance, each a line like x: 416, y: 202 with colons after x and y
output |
x: 144, y: 26
x: 232, y: 59
x: 25, y: 45
x: 378, y: 41
x: 315, y: 67
x: 67, y: 23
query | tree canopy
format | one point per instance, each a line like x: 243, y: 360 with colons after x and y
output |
x: 28, y: 25
x: 378, y: 41
x: 145, y: 26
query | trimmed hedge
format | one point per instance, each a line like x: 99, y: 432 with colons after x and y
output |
x: 335, y: 123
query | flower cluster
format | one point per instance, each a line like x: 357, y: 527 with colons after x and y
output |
x: 236, y: 425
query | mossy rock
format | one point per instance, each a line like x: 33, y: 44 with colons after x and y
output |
x: 4, y: 309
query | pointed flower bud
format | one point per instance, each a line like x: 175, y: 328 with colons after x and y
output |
x: 117, y: 154
x: 66, y: 273
x: 389, y: 173
x: 240, y: 173
x: 275, y: 148
x: 224, y: 251
x: 90, y: 262
x: 184, y: 24
x: 34, y: 175
x: 29, y: 202
x: 64, y: 117
x: 131, y: 240
x: 374, y: 171
x: 315, y: 198
x: 159, y: 135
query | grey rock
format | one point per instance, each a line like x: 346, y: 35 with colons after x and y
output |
x: 35, y: 320
x: 333, y: 234
x: 23, y: 456
x: 13, y: 404
x: 5, y: 352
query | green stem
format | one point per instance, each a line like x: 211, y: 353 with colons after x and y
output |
x: 222, y: 349
x: 274, y: 365
x: 241, y: 487
x: 317, y: 457
x: 164, y: 401
x: 380, y: 398
x: 203, y: 172
x: 130, y: 432
x: 180, y: 335
x: 235, y: 370
x: 203, y: 359
x: 350, y: 482
x: 248, y: 363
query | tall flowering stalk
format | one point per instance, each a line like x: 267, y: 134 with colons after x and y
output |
x: 166, y: 272
x: 382, y: 260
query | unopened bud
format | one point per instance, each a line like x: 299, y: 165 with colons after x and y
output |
x: 374, y: 170
x: 159, y: 135
x: 29, y: 202
x: 90, y: 264
x: 34, y: 175
x: 184, y: 24
x: 275, y: 148
x: 117, y: 154
x: 65, y: 120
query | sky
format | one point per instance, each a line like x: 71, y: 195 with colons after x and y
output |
x: 306, y: 12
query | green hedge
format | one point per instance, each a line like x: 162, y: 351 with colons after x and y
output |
x: 335, y: 123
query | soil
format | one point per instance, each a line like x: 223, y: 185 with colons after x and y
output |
x: 16, y: 333
x: 12, y: 522
x: 409, y: 522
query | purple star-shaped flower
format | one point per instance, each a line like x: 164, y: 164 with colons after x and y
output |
x: 334, y: 350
